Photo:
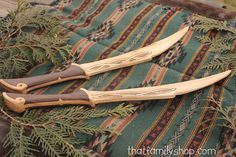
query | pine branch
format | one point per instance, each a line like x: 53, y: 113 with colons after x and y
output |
x: 29, y: 36
x: 224, y: 62
x: 55, y: 132
x: 227, y: 113
x: 64, y: 141
x: 43, y: 140
x: 222, y: 44
x: 218, y: 44
x: 91, y: 129
x: 80, y: 113
x: 19, y: 144
x: 204, y: 24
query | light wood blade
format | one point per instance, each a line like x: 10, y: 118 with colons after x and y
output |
x: 138, y: 56
x: 157, y: 92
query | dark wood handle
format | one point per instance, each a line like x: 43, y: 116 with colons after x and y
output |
x: 20, y: 102
x: 23, y: 85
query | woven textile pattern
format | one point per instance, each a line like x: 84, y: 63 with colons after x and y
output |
x: 99, y: 29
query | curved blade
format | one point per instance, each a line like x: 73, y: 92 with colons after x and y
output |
x: 157, y: 92
x: 164, y: 44
x: 138, y: 56
x: 193, y: 85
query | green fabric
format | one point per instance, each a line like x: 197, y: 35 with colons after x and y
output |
x: 156, y: 124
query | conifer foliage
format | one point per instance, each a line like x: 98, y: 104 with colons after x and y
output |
x: 55, y: 132
x: 222, y: 43
x: 29, y: 36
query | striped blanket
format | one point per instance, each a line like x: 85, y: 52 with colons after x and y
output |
x: 100, y: 29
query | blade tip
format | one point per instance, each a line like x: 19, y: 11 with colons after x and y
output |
x: 185, y: 29
x: 225, y: 73
x: 228, y: 71
x: 221, y: 76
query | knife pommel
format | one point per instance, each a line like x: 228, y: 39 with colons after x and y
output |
x: 14, y: 104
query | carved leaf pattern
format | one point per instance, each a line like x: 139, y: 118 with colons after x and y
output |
x: 122, y: 61
x: 127, y: 94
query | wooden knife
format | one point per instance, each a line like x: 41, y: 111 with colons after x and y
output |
x: 20, y: 102
x: 84, y: 71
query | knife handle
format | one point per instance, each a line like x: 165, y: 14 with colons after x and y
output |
x: 20, y: 102
x: 24, y: 85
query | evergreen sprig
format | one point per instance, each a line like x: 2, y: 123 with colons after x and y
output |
x: 19, y: 144
x: 224, y: 62
x: 223, y: 43
x: 29, y: 36
x: 227, y: 114
x: 205, y: 24
x: 218, y: 44
x: 55, y: 132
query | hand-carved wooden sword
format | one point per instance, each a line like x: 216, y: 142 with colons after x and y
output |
x: 84, y: 71
x: 20, y: 102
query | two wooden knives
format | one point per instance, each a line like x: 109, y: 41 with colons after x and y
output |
x: 20, y: 102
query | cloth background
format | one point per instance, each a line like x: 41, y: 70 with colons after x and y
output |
x: 100, y: 29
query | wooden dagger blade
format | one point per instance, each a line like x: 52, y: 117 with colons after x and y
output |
x: 156, y: 92
x: 138, y: 56
x: 20, y: 102
x: 84, y: 71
